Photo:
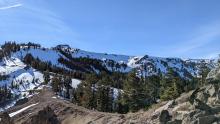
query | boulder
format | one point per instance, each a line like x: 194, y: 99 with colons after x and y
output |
x: 201, y: 106
x: 202, y: 96
x: 211, y: 90
x: 207, y: 119
x: 193, y: 96
x: 164, y: 117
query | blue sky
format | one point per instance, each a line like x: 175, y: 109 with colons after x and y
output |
x: 166, y: 28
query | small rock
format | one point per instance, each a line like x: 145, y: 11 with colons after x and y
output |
x: 175, y: 122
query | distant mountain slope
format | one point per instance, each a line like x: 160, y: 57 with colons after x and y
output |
x: 19, y: 78
x: 23, y: 68
x: 146, y: 65
x: 18, y: 73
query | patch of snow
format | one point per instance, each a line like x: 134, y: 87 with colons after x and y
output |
x: 132, y: 61
x: 54, y: 97
x: 116, y: 93
x: 21, y: 110
x: 101, y: 56
x: 47, y: 55
x: 75, y: 83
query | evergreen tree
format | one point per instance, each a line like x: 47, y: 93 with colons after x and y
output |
x: 170, y: 86
x: 104, y: 99
x: 56, y: 84
x: 170, y: 93
x: 85, y: 92
x: 134, y: 94
x: 101, y: 98
x: 119, y: 106
x: 152, y: 84
x: 204, y: 70
x: 46, y: 77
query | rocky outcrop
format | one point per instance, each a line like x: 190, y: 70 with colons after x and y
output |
x: 45, y: 116
x: 202, y: 106
x: 205, y: 107
x: 5, y: 119
x: 214, y: 74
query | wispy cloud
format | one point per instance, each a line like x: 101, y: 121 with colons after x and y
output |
x: 11, y: 6
x: 36, y: 23
x: 201, y: 37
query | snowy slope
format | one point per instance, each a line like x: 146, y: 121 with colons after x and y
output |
x: 146, y: 65
x: 75, y: 83
x: 18, y: 71
x: 46, y: 55
x: 102, y: 56
x: 20, y: 78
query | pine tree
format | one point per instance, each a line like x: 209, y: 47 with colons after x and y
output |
x: 56, y: 84
x: 204, y: 70
x: 153, y: 87
x: 170, y: 86
x: 100, y: 98
x: 110, y: 102
x: 85, y: 92
x: 170, y: 93
x: 46, y: 77
x: 104, y: 99
x: 134, y: 94
x: 120, y: 107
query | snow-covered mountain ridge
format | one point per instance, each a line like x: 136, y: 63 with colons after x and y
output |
x: 16, y: 70
x: 146, y: 65
x: 23, y: 67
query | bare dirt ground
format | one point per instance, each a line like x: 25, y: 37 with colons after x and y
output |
x: 68, y: 113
